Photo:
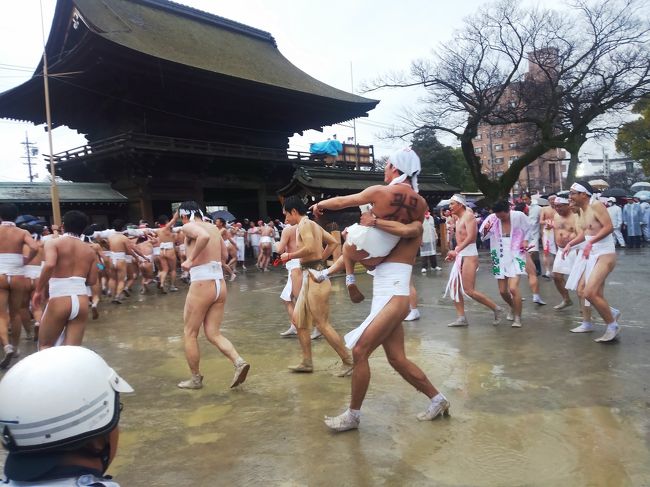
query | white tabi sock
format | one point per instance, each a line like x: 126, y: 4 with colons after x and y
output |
x: 356, y: 413
x: 350, y: 279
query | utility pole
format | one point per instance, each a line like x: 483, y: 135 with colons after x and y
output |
x: 30, y: 151
x: 354, y: 122
x: 54, y: 189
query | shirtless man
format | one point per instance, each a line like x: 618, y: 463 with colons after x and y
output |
x: 69, y: 267
x: 390, y: 305
x: 12, y: 260
x: 294, y: 278
x: 312, y: 305
x: 229, y: 258
x: 120, y: 246
x: 147, y: 268
x: 240, y: 240
x: 167, y: 254
x: 266, y: 246
x: 181, y: 255
x: 96, y: 289
x: 371, y: 245
x: 564, y: 226
x: 549, y: 247
x: 206, y: 297
x: 32, y: 272
x: 508, y: 232
x: 596, y: 260
x: 462, y: 277
x: 132, y: 265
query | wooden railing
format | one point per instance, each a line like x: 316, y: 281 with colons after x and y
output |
x: 158, y: 143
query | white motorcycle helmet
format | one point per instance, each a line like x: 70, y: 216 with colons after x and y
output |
x: 57, y: 398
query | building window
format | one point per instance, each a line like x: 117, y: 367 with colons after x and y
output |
x: 478, y: 137
x: 498, y: 160
x: 478, y: 150
x: 551, y: 174
x: 498, y: 133
x: 512, y: 145
x: 498, y: 146
x: 512, y: 131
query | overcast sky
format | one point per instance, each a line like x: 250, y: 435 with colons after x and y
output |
x: 323, y: 38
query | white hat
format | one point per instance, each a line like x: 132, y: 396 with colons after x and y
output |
x: 459, y: 198
x: 407, y: 161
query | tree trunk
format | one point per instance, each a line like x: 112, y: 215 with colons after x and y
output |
x: 573, y: 167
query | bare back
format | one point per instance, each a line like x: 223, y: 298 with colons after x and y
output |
x: 12, y: 239
x: 118, y: 242
x: 398, y: 202
x: 70, y: 256
x: 288, y: 239
x: 212, y: 250
x: 165, y: 234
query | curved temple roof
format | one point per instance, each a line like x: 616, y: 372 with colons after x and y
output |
x: 178, y: 34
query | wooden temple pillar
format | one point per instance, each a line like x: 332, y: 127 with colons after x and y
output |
x: 139, y: 195
x: 262, y: 208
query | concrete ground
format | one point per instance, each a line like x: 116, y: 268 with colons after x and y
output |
x: 535, y: 406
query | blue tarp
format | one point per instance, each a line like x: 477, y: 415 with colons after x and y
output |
x: 330, y: 147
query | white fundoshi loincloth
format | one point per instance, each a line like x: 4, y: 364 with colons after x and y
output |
x: 390, y: 279
x: 11, y: 264
x: 167, y: 245
x: 564, y: 265
x: 210, y: 271
x: 584, y: 266
x: 266, y: 240
x: 455, y: 287
x: 33, y: 271
x: 117, y: 256
x: 375, y: 242
x: 71, y: 287
x: 288, y: 288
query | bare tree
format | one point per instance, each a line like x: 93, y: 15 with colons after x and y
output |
x: 555, y: 74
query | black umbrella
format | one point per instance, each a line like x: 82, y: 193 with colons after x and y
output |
x: 29, y: 219
x: 615, y: 192
x: 225, y: 215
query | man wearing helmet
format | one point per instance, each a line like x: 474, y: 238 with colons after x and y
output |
x: 206, y: 297
x: 69, y: 267
x: 73, y: 440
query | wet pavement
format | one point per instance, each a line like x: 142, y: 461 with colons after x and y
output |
x: 531, y: 406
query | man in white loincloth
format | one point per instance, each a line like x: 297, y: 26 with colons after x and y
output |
x: 369, y: 244
x: 595, y: 261
x: 390, y: 305
x: 12, y: 260
x: 206, y: 297
x: 508, y: 232
x: 312, y: 306
x: 68, y: 268
x: 462, y: 277
x: 549, y: 247
x: 564, y: 227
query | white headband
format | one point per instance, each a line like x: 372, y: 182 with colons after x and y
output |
x: 407, y: 161
x: 458, y: 199
x: 182, y: 212
x: 561, y: 201
x: 580, y: 188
